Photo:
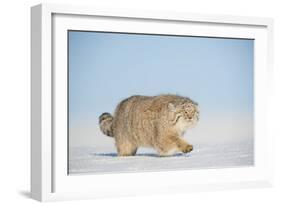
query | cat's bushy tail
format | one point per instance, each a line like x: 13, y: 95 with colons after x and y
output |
x: 105, y: 121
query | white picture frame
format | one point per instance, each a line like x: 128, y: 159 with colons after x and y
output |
x: 49, y: 178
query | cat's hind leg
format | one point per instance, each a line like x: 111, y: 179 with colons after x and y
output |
x: 126, y: 148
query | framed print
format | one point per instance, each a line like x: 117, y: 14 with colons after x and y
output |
x: 137, y: 102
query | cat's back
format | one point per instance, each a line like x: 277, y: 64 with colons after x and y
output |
x: 133, y: 103
x: 140, y: 104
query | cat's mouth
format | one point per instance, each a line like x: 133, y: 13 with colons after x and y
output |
x: 194, y: 118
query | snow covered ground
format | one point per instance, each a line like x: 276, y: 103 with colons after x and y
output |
x: 88, y: 160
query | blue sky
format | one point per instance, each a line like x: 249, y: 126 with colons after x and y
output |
x: 105, y: 68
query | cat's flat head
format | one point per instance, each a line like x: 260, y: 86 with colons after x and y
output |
x: 184, y: 114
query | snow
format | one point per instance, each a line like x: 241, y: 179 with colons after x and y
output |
x: 90, y: 160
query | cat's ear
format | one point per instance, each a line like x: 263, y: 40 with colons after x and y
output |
x: 171, y: 107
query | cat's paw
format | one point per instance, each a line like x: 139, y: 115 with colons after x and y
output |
x: 187, y: 148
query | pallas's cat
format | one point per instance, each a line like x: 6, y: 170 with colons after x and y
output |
x: 151, y: 121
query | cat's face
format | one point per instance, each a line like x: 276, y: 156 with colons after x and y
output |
x: 190, y: 112
x: 184, y: 115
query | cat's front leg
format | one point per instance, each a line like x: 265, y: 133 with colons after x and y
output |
x: 172, y: 144
x: 184, y: 146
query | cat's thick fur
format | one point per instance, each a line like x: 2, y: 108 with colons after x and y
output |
x: 158, y: 122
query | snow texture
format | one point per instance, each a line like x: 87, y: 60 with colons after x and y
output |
x: 83, y: 160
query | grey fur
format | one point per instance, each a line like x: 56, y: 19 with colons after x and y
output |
x: 151, y: 121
